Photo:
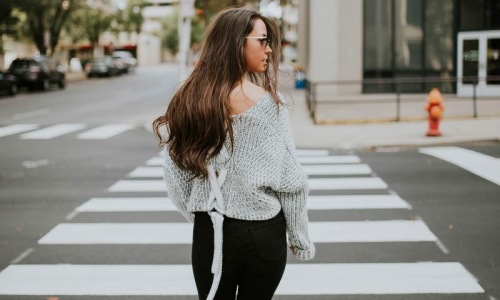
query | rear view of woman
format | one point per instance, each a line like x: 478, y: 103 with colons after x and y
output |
x: 231, y: 166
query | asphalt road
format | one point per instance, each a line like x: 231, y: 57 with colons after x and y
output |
x: 442, y: 213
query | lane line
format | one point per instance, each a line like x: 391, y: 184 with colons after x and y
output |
x: 312, y: 152
x: 299, y: 279
x: 17, y: 128
x: 356, y: 202
x: 181, y: 233
x: 52, y: 131
x: 22, y: 256
x: 127, y: 204
x: 104, y: 131
x: 482, y: 165
x: 347, y: 169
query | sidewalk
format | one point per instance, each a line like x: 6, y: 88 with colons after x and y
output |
x: 75, y: 76
x: 384, y: 134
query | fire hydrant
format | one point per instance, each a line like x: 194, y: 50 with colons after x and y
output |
x: 435, y: 109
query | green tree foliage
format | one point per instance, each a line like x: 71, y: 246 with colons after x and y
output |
x: 131, y: 18
x: 46, y: 17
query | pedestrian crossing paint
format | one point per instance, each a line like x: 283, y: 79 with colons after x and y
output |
x: 52, y: 131
x: 181, y: 233
x: 127, y: 205
x: 332, y: 159
x: 17, y: 128
x: 312, y: 152
x: 298, y: 279
x: 356, y: 202
x: 358, y: 183
x: 138, y: 204
x: 482, y: 165
x: 346, y: 169
x: 104, y: 131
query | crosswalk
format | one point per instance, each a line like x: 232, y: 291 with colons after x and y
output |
x: 81, y: 131
x: 337, y: 182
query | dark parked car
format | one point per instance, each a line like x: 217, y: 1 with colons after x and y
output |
x: 8, y: 84
x: 103, y: 66
x: 38, y: 72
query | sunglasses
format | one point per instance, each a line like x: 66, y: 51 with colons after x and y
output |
x: 264, y: 40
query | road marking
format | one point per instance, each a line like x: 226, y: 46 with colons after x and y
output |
x: 181, y: 233
x: 482, y: 165
x: 306, y: 152
x: 17, y: 128
x: 52, y: 131
x: 104, y: 132
x: 356, y: 202
x: 363, y: 183
x: 299, y: 279
x: 22, y: 256
x: 31, y: 114
x: 127, y: 204
x: 332, y: 159
x: 347, y: 169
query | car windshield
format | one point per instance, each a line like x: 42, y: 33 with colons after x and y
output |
x: 22, y: 63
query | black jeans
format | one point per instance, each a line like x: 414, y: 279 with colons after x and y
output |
x: 254, y: 257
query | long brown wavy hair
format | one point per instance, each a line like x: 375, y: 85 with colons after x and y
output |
x: 198, y: 118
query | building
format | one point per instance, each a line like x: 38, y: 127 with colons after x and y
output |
x: 445, y: 43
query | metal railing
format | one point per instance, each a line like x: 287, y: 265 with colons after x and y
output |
x: 396, y: 83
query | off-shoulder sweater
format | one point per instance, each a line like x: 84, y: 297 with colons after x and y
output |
x: 255, y: 181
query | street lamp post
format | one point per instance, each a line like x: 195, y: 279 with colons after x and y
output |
x: 186, y: 13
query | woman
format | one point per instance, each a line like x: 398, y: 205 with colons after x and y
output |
x: 231, y: 166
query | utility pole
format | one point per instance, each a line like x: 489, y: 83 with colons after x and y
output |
x: 186, y: 13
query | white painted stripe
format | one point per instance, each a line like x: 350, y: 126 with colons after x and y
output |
x: 127, y: 204
x: 17, y: 128
x: 52, y: 131
x: 147, y: 172
x: 482, y: 165
x: 299, y: 279
x: 138, y: 186
x: 363, y: 183
x: 348, y: 169
x: 306, y: 152
x: 356, y: 202
x: 104, y: 132
x: 335, y: 159
x: 181, y: 233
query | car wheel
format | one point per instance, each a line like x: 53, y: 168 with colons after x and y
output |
x: 13, y: 89
x: 62, y: 83
x: 45, y: 85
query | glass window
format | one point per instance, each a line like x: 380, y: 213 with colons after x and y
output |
x: 471, y: 15
x: 408, y: 34
x: 377, y: 34
x: 493, y: 61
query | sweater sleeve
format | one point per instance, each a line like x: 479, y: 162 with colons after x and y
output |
x: 178, y: 186
x: 293, y: 194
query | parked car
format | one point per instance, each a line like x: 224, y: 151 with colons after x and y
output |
x: 8, y: 84
x: 103, y: 66
x: 37, y: 72
x: 125, y: 60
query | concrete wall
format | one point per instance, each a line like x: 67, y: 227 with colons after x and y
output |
x: 332, y: 44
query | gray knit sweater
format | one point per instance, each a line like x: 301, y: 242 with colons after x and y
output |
x: 260, y: 177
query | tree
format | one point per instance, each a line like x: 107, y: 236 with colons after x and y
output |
x: 7, y: 20
x: 46, y: 17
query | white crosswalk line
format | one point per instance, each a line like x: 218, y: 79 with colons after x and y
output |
x: 104, y: 131
x: 482, y: 165
x: 17, y: 128
x: 127, y: 204
x: 347, y: 169
x: 361, y: 183
x: 356, y: 202
x: 181, y: 233
x: 332, y: 159
x: 299, y: 279
x: 312, y: 152
x: 52, y: 131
